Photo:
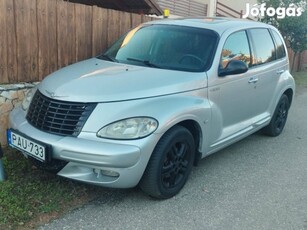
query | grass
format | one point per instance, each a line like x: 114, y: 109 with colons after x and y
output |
x: 30, y: 196
x: 300, y: 79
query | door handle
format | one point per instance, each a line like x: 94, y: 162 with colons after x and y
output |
x: 253, y: 80
x: 280, y: 71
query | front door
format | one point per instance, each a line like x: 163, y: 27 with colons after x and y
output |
x: 232, y: 96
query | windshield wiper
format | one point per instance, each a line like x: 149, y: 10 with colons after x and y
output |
x: 107, y: 57
x: 145, y: 62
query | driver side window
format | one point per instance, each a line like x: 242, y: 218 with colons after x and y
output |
x: 236, y: 47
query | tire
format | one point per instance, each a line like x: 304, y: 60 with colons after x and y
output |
x: 170, y: 164
x: 279, y: 118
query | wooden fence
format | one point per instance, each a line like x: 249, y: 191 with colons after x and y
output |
x: 40, y: 36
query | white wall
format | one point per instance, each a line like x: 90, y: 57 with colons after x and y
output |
x: 237, y: 5
x: 211, y: 6
x: 186, y: 8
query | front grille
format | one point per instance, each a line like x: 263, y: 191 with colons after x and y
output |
x: 58, y: 117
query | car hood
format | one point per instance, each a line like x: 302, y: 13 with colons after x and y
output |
x: 95, y: 80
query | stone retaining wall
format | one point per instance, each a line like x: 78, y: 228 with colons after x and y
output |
x: 10, y: 97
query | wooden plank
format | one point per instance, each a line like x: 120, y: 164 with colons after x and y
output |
x: 136, y: 20
x: 22, y: 57
x: 27, y: 40
x: 11, y: 42
x: 33, y: 40
x: 47, y: 37
x: 3, y: 44
x: 125, y: 22
x: 113, y: 26
x: 66, y: 33
x: 99, y: 35
x: 83, y: 31
x: 143, y: 18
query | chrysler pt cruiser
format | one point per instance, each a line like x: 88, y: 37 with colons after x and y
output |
x: 163, y: 96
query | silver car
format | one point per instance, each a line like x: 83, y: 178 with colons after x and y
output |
x: 165, y: 95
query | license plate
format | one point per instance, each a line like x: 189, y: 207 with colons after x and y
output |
x: 30, y: 147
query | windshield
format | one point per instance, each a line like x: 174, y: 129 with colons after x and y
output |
x: 165, y: 46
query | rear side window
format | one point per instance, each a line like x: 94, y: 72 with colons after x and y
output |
x: 264, y: 48
x: 280, y: 48
x: 236, y: 47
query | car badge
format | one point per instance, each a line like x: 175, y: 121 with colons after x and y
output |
x: 52, y: 94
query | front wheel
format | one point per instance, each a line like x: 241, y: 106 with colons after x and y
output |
x: 170, y: 164
x: 279, y: 118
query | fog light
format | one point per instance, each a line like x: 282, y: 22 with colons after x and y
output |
x: 110, y: 173
x: 104, y: 172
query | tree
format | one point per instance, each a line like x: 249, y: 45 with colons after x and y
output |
x: 293, y: 28
x: 294, y: 31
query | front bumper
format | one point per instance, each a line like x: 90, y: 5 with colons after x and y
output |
x: 91, y: 159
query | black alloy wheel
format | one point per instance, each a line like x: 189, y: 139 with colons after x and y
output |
x: 279, y: 118
x: 170, y: 164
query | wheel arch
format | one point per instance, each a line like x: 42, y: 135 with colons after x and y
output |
x: 196, y: 132
x: 289, y: 93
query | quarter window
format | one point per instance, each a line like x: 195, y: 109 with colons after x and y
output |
x: 280, y: 48
x: 263, y: 45
x: 236, y: 48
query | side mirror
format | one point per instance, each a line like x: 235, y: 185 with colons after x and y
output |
x: 233, y: 67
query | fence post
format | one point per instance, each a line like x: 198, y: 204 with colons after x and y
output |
x: 2, y: 173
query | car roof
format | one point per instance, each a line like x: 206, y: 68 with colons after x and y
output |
x: 218, y: 24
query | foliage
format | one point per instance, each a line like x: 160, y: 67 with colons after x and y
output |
x: 280, y: 3
x: 293, y: 28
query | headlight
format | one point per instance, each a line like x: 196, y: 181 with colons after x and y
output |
x: 127, y: 129
x: 27, y: 100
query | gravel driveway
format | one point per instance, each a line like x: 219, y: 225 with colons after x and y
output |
x: 258, y: 183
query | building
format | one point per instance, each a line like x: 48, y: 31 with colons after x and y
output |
x: 186, y: 8
x: 201, y: 8
x: 232, y: 8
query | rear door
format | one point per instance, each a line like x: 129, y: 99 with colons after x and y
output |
x: 268, y: 65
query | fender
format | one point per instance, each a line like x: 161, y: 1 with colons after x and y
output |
x: 167, y: 110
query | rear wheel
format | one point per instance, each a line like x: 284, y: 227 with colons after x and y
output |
x: 279, y: 118
x: 170, y: 164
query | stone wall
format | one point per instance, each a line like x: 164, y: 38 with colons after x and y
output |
x: 10, y: 97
